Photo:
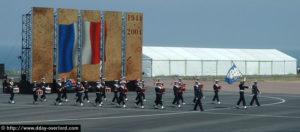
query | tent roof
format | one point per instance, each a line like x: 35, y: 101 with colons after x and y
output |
x: 190, y: 53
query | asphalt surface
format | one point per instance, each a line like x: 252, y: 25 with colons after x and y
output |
x: 279, y: 112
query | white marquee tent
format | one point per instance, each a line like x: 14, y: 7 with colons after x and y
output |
x: 182, y: 61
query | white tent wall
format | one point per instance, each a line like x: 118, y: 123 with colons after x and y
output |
x: 160, y: 68
x: 265, y: 68
x: 193, y: 68
x: 183, y: 61
x: 290, y: 67
x: 177, y: 68
x: 278, y: 68
x: 147, y: 67
x: 252, y: 68
x: 209, y: 68
x: 223, y: 67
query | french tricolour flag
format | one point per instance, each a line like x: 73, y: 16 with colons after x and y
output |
x: 91, y: 42
x: 67, y: 47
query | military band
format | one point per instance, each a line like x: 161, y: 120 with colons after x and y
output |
x: 119, y: 89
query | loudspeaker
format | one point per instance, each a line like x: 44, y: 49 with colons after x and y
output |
x: 1, y: 71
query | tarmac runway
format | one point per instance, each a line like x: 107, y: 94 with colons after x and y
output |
x: 279, y: 112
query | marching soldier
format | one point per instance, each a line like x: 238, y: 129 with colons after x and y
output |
x: 123, y: 79
x: 199, y: 95
x: 80, y: 90
x: 86, y: 91
x: 216, y: 90
x: 139, y: 96
x: 175, y: 90
x: 158, y: 91
x: 64, y: 90
x: 35, y: 92
x: 122, y: 94
x: 102, y: 80
x: 143, y: 94
x: 10, y: 86
x: 255, y: 91
x: 77, y: 82
x: 180, y: 91
x: 43, y: 87
x: 98, y: 94
x: 242, y: 98
x: 59, y: 87
x: 115, y: 90
x: 197, y: 83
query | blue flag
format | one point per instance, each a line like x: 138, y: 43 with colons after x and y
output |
x: 67, y: 48
x: 233, y: 74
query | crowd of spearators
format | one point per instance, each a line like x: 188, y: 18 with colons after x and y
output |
x: 120, y: 92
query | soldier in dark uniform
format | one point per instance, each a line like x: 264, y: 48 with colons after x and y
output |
x: 99, y: 94
x: 255, y: 92
x: 122, y: 94
x: 10, y: 86
x: 77, y: 82
x: 102, y: 80
x: 43, y: 87
x: 199, y: 96
x: 115, y: 90
x: 80, y: 90
x: 216, y: 90
x: 242, y: 98
x: 143, y: 94
x: 136, y: 84
x: 139, y: 96
x: 123, y: 79
x: 35, y: 92
x: 180, y: 91
x: 158, y: 92
x: 64, y: 90
x: 175, y: 90
x: 86, y: 91
x: 59, y: 87
x: 197, y: 84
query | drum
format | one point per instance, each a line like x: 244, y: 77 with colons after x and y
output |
x: 201, y: 86
x: 40, y: 92
x: 219, y: 87
x: 144, y: 90
x: 126, y: 90
x: 183, y: 89
x: 48, y: 90
x: 163, y: 90
x: 107, y: 90
x: 16, y: 90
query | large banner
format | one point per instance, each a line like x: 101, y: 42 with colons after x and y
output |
x: 134, y: 44
x: 113, y: 46
x: 43, y: 44
x: 91, y: 48
x: 67, y: 43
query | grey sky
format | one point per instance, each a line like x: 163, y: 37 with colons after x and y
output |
x: 194, y: 23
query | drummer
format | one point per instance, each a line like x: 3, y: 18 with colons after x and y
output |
x: 43, y: 87
x: 11, y: 85
x: 35, y: 92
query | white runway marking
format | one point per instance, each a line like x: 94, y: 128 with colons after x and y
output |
x: 163, y: 114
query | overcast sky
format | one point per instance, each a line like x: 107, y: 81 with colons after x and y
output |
x: 192, y: 23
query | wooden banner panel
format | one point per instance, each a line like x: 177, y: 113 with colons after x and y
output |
x: 134, y: 44
x: 113, y: 46
x: 43, y: 44
x: 67, y: 17
x: 91, y: 72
